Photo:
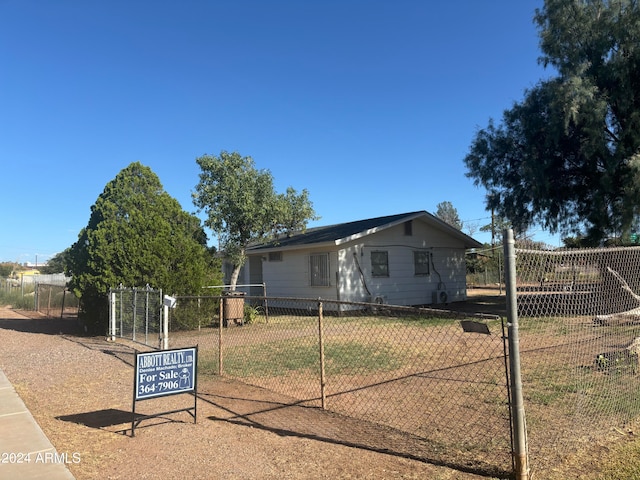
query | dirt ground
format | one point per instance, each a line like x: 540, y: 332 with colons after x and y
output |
x: 80, y: 390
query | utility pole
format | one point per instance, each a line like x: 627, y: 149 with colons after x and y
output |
x: 493, y: 230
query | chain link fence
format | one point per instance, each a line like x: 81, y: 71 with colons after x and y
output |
x: 46, y: 294
x: 429, y: 384
x: 485, y: 268
x: 579, y: 314
x: 423, y: 383
x: 437, y: 379
x: 55, y: 300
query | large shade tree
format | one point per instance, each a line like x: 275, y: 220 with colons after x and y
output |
x: 568, y: 155
x: 137, y: 234
x: 243, y: 207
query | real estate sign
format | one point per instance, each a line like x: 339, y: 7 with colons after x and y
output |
x: 167, y: 372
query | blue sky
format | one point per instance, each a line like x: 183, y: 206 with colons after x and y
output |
x: 370, y: 105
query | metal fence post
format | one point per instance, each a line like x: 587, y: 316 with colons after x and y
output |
x: 121, y: 287
x: 164, y: 322
x: 164, y: 328
x: 135, y: 311
x: 519, y: 446
x: 112, y: 316
x: 146, y: 314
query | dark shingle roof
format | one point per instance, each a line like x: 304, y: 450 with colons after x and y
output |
x: 334, y: 233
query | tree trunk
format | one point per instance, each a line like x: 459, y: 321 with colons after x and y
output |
x: 235, y: 273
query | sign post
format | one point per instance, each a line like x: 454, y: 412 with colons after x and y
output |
x: 162, y: 373
x: 167, y: 303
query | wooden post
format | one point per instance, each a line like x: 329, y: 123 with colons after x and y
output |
x: 49, y: 301
x: 323, y: 396
x: 221, y: 313
x: 64, y: 296
x: 266, y: 305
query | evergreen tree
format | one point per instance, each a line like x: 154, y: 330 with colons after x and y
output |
x: 448, y: 213
x: 137, y: 235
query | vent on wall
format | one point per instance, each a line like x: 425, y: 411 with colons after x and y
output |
x: 440, y: 297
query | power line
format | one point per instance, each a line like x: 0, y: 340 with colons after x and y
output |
x: 477, y: 219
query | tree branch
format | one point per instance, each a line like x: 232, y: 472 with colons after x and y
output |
x: 632, y: 314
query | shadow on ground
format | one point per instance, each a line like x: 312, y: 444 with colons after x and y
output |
x: 49, y: 326
x: 253, y: 407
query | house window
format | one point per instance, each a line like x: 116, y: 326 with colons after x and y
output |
x: 319, y: 268
x: 275, y: 256
x: 421, y: 263
x: 408, y: 228
x: 379, y: 264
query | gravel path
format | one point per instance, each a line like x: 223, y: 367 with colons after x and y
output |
x: 80, y: 389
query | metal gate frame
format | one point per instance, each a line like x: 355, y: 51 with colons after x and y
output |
x: 125, y: 305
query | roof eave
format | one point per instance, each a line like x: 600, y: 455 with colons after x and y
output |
x: 370, y: 231
x: 303, y: 246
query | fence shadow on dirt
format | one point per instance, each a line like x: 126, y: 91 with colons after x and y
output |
x: 33, y: 322
x: 416, y: 382
x: 248, y: 406
x: 120, y: 350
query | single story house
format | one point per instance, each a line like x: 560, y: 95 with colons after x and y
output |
x: 406, y: 259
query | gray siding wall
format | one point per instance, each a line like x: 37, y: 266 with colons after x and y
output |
x: 403, y: 287
x: 291, y: 277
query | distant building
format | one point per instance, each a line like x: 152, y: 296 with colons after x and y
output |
x: 35, y: 265
x: 30, y: 272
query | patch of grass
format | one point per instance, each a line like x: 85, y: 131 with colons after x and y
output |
x: 270, y: 359
x: 286, y: 356
x: 353, y: 357
x: 540, y: 325
x: 438, y: 322
x: 549, y: 393
x: 623, y: 461
x: 207, y: 364
x: 16, y: 299
x: 612, y: 396
x: 427, y: 321
x: 547, y: 384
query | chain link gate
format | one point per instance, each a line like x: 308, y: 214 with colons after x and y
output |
x: 136, y: 314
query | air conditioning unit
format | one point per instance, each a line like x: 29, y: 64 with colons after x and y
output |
x: 440, y: 297
x: 379, y: 299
